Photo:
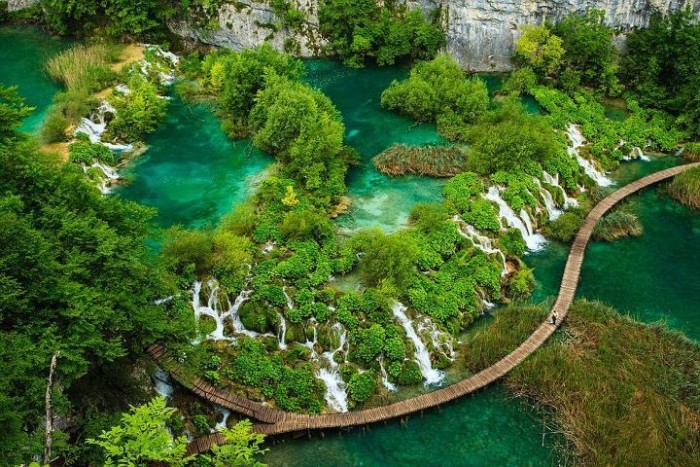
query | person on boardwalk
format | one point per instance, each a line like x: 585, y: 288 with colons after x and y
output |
x: 554, y: 318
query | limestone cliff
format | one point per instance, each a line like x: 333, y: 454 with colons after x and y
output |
x: 480, y: 33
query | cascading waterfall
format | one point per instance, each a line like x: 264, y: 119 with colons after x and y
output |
x: 211, y: 310
x: 553, y: 212
x: 225, y: 414
x: 442, y: 342
x: 533, y: 240
x: 385, y: 377
x: 577, y: 141
x: 311, y: 344
x: 336, y: 388
x: 482, y: 242
x: 554, y: 181
x: 430, y: 374
x: 163, y: 383
x: 282, y: 330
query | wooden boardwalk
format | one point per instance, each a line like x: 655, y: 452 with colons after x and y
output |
x: 272, y: 421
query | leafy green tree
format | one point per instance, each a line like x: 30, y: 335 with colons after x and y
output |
x: 589, y: 50
x: 438, y: 91
x: 12, y: 111
x: 242, y: 448
x: 139, y: 112
x: 661, y: 66
x: 358, y: 31
x: 143, y: 437
x: 386, y: 257
x: 539, y: 49
x: 362, y: 386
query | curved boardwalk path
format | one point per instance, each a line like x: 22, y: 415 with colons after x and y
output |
x: 274, y: 421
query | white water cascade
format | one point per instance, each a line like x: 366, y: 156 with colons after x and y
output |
x: 441, y: 341
x: 553, y: 212
x: 163, y: 383
x: 577, y: 141
x: 533, y: 240
x: 430, y: 374
x: 482, y: 242
x: 554, y: 181
x: 219, y: 317
x: 336, y: 389
x: 391, y: 387
x: 225, y: 414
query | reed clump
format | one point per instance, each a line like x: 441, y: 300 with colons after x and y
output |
x: 616, y: 225
x: 433, y: 161
x: 685, y: 187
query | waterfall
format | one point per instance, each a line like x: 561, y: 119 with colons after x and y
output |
x: 577, y: 141
x: 225, y: 414
x: 431, y: 375
x: 211, y: 310
x: 336, y: 389
x: 554, y: 181
x: 281, y: 332
x: 553, y: 212
x: 534, y: 241
x: 442, y: 342
x: 385, y: 377
x: 311, y: 344
x: 163, y: 383
x: 482, y: 242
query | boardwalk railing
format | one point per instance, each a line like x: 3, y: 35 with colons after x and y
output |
x: 274, y: 421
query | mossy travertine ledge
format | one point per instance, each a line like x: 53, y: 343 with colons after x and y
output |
x: 273, y: 421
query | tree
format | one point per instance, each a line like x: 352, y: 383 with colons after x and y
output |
x: 589, y: 50
x: 438, y: 91
x: 539, y: 49
x: 143, y: 437
x: 12, y: 111
x: 386, y: 257
x: 242, y: 447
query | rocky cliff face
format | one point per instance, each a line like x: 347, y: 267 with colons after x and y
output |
x: 480, y: 33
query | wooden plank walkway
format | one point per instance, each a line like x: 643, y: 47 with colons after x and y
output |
x: 274, y: 421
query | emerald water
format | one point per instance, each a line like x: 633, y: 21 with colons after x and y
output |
x: 377, y: 200
x: 23, y: 52
x: 192, y: 172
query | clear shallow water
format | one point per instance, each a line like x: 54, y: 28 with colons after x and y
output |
x: 23, y: 52
x: 484, y: 429
x: 377, y: 200
x: 192, y: 172
x: 653, y: 277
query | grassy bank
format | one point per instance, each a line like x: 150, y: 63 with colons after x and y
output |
x: 686, y: 188
x: 622, y: 392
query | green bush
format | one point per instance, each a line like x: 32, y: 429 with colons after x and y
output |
x: 459, y: 190
x: 362, y: 30
x: 565, y: 227
x: 83, y: 151
x: 436, y: 89
x: 362, y: 386
x: 410, y: 373
x: 139, y: 112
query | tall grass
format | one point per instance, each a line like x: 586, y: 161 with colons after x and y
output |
x: 73, y: 67
x: 616, y: 225
x: 622, y: 392
x: 686, y: 188
x: 435, y: 161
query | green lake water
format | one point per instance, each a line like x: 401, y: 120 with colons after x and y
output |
x: 23, y: 52
x: 377, y: 200
x: 194, y: 174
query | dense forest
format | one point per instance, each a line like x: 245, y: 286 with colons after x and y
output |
x: 88, y: 279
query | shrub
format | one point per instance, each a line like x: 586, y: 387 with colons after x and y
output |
x: 461, y: 189
x: 386, y: 257
x: 139, y: 112
x: 565, y: 227
x: 435, y: 89
x: 410, y: 373
x: 362, y: 386
x: 618, y: 224
x: 83, y: 151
